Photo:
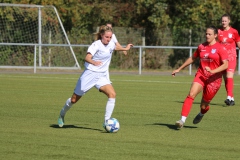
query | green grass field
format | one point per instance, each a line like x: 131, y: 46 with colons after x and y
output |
x: 146, y: 107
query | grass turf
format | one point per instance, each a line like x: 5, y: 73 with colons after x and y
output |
x: 146, y: 107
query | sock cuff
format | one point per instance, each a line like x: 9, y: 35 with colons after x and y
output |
x: 68, y: 102
x: 203, y: 111
x: 112, y: 99
x: 190, y: 97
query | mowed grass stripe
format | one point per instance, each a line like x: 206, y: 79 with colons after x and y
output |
x: 126, y: 80
x: 146, y: 106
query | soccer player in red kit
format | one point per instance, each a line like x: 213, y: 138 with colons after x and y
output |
x: 213, y: 60
x: 229, y: 37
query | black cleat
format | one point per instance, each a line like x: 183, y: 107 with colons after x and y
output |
x: 232, y: 103
x: 229, y: 102
x: 197, y: 119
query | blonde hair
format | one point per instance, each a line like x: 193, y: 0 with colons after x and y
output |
x: 102, y: 30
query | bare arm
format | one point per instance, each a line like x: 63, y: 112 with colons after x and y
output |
x: 120, y: 48
x: 88, y: 59
x: 238, y: 44
x: 223, y: 67
x: 189, y: 61
x: 118, y: 44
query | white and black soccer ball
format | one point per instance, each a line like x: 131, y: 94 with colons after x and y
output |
x: 112, y: 125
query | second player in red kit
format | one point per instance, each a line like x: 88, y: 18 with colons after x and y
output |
x: 213, y: 60
x: 229, y: 37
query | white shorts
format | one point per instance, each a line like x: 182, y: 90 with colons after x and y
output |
x: 90, y: 79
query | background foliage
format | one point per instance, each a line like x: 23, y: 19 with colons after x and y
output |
x: 162, y: 22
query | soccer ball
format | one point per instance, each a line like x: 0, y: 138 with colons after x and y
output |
x: 112, y: 125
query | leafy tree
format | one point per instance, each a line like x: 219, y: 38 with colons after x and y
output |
x: 189, y: 23
x: 165, y: 22
x: 152, y: 16
x: 235, y: 14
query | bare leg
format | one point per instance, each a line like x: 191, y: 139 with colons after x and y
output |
x: 196, y: 88
x: 109, y: 91
x: 66, y: 107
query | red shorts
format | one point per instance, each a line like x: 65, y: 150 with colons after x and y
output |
x: 210, y: 85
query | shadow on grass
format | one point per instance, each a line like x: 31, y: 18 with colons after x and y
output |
x: 172, y: 126
x: 73, y: 126
x: 211, y: 104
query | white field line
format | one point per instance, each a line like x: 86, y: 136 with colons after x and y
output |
x: 116, y: 80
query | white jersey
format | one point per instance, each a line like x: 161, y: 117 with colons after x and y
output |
x: 100, y: 52
x: 114, y: 39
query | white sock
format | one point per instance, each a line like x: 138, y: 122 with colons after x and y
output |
x: 232, y: 99
x: 66, y: 107
x: 229, y: 97
x: 109, y: 108
x: 183, y: 119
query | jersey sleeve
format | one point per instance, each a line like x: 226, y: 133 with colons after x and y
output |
x: 93, y: 48
x: 236, y: 35
x: 223, y: 53
x: 197, y: 52
x: 238, y: 40
x: 114, y: 38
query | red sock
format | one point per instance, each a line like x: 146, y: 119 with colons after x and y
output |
x: 203, y: 111
x: 187, y: 105
x: 226, y: 84
x: 229, y: 87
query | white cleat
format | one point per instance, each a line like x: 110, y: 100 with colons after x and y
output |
x: 60, y: 121
x: 179, y: 124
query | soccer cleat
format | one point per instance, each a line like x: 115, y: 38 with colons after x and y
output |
x: 197, y: 119
x: 232, y: 103
x: 179, y: 124
x: 229, y: 102
x: 61, y: 121
x: 104, y: 124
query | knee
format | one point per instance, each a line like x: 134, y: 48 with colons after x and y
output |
x: 74, y: 99
x: 192, y: 95
x: 112, y: 95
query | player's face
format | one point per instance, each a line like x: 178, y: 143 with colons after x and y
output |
x: 225, y: 22
x: 106, y: 37
x: 210, y: 36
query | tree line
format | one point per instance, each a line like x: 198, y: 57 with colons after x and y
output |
x: 184, y: 21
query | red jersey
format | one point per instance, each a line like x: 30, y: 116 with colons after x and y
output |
x: 229, y: 38
x: 211, y: 56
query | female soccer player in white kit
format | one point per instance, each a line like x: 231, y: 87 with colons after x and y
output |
x: 114, y: 38
x: 97, y: 63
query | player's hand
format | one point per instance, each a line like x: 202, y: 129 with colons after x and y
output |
x: 129, y: 46
x: 208, y: 69
x: 174, y: 72
x: 97, y: 63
